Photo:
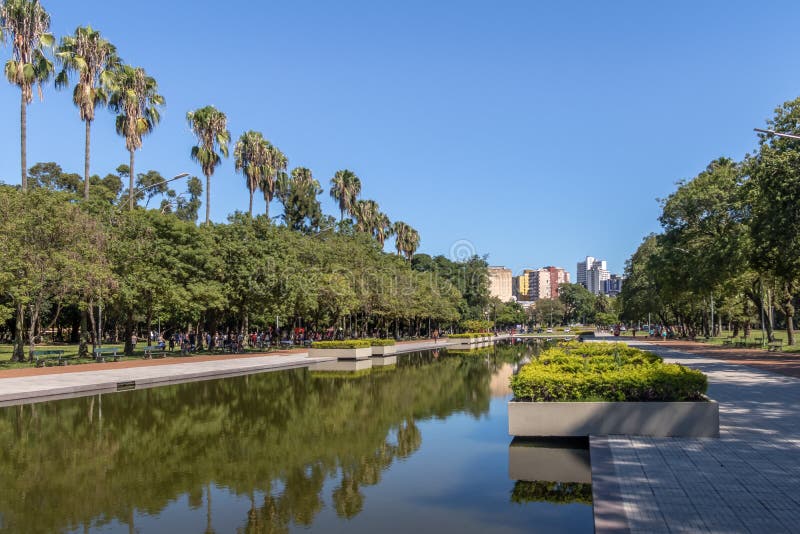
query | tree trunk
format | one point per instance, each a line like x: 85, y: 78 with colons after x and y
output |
x: 251, y: 203
x: 83, y: 351
x: 93, y: 330
x: 34, y: 312
x: 788, y: 309
x: 128, y: 333
x: 19, y: 352
x: 86, y: 161
x: 208, y: 199
x: 130, y: 184
x: 23, y: 138
x: 266, y: 202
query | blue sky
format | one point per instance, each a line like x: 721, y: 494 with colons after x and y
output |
x: 539, y: 133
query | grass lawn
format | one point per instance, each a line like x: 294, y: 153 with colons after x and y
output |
x: 755, y: 335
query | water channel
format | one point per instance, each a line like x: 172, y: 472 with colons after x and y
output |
x: 421, y: 446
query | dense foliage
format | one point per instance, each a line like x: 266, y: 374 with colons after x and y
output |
x: 145, y: 268
x: 728, y: 253
x: 605, y: 372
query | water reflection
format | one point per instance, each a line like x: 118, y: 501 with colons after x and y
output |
x: 288, y: 449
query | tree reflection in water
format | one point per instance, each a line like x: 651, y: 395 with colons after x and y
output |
x: 86, y: 462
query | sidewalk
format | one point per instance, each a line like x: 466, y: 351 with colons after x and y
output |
x: 748, y: 480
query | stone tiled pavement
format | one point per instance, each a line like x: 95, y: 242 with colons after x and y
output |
x: 748, y: 480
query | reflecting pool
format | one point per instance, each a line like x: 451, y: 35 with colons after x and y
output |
x: 420, y: 446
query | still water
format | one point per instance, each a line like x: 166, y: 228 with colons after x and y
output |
x: 422, y: 446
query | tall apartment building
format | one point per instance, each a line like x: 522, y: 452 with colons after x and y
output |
x: 500, y: 283
x: 613, y: 286
x: 591, y: 274
x: 543, y: 283
x: 522, y: 288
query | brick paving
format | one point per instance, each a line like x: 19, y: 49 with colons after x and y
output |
x: 748, y: 480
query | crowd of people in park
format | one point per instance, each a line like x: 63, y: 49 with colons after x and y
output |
x: 236, y: 342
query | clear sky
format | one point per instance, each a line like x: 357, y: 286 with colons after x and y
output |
x: 536, y: 132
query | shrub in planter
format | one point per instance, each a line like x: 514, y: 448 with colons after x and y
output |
x: 610, y: 373
x: 381, y: 342
x: 468, y: 335
x: 349, y: 344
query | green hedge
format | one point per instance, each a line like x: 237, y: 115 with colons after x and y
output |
x: 468, y: 335
x: 349, y: 344
x: 381, y: 342
x: 605, y: 372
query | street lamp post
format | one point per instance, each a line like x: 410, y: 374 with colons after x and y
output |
x: 162, y: 182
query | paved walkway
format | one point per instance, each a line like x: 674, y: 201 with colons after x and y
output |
x: 35, y: 385
x: 746, y: 481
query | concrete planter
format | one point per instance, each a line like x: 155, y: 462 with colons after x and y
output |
x: 342, y: 366
x: 548, y: 460
x: 657, y: 419
x: 341, y: 354
x: 383, y: 361
x: 384, y: 350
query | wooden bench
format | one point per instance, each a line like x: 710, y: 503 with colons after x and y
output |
x: 41, y: 357
x: 775, y: 346
x: 727, y: 341
x: 100, y: 354
x: 154, y: 351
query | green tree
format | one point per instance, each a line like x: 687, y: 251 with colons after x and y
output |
x: 210, y: 127
x: 251, y: 155
x: 578, y: 303
x: 301, y: 208
x: 27, y: 26
x: 345, y: 188
x: 134, y: 98
x: 277, y: 165
x: 93, y: 59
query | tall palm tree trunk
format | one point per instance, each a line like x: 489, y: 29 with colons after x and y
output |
x: 23, y: 138
x: 266, y: 201
x: 130, y: 182
x: 251, y: 203
x: 86, y: 160
x: 208, y: 198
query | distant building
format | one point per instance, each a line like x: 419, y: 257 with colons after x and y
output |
x: 522, y: 288
x: 613, y: 286
x: 543, y: 283
x: 591, y: 274
x: 500, y: 283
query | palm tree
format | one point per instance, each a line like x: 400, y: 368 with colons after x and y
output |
x: 382, y: 227
x: 210, y: 126
x: 94, y: 59
x: 27, y: 25
x: 406, y: 239
x: 134, y: 98
x: 277, y: 165
x: 252, y: 159
x: 345, y: 188
x: 365, y: 212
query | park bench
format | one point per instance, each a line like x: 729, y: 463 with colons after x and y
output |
x: 42, y: 357
x: 775, y: 346
x: 100, y: 354
x: 154, y: 351
x: 727, y: 341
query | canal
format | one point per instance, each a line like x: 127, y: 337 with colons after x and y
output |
x: 421, y: 446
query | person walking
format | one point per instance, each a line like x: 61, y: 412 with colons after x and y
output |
x: 435, y: 335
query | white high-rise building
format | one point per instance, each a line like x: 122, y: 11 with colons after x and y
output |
x: 591, y: 274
